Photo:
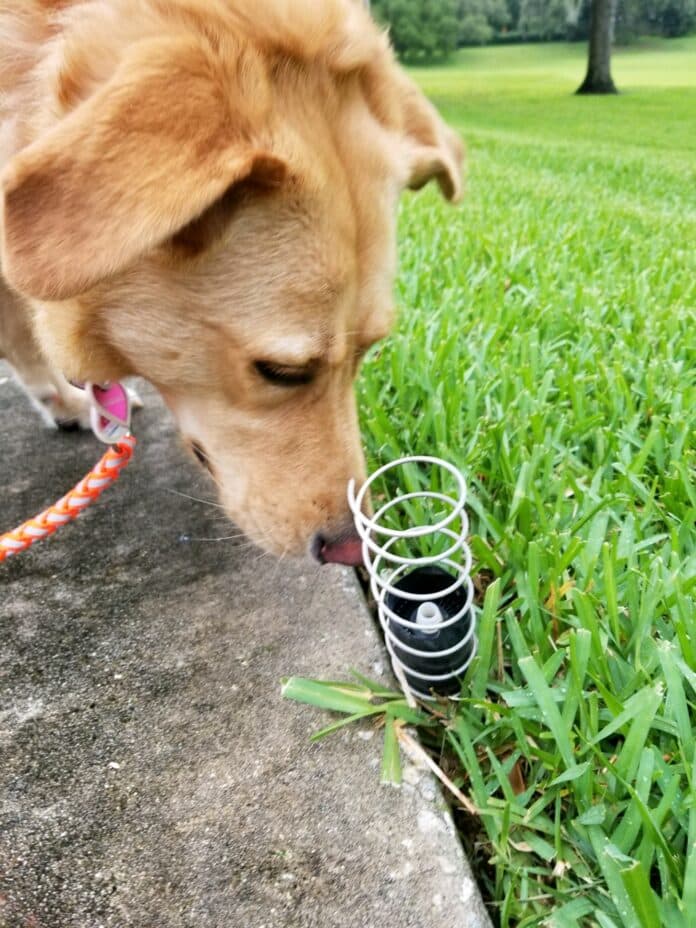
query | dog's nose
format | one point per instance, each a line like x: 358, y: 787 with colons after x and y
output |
x: 343, y: 549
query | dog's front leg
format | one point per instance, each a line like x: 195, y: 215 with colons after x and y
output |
x: 59, y: 404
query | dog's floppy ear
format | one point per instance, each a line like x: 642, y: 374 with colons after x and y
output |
x: 141, y: 158
x: 435, y: 152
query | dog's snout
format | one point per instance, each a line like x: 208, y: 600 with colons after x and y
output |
x: 342, y: 548
x: 316, y: 547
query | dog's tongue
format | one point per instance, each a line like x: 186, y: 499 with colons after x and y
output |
x: 343, y: 552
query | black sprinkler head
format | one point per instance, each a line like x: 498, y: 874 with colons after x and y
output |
x: 441, y: 672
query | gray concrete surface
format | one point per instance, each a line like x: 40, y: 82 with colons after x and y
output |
x: 150, y: 773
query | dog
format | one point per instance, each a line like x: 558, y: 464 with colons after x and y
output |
x: 203, y: 193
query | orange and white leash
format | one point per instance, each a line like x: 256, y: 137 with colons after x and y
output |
x: 110, y: 418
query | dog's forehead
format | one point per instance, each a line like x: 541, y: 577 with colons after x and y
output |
x: 336, y: 290
x: 306, y: 270
x: 313, y: 276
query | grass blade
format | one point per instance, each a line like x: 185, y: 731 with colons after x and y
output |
x: 544, y: 699
x: 391, y: 761
x: 642, y: 897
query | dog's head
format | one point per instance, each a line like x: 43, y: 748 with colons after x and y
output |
x: 215, y: 211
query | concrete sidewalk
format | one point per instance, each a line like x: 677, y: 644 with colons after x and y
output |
x: 150, y: 773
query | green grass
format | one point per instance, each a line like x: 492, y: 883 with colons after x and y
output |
x: 547, y: 345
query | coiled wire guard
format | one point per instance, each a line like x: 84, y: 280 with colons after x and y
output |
x: 386, y: 567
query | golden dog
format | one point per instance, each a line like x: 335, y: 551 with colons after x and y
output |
x: 203, y: 193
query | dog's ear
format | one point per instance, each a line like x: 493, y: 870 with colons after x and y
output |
x: 432, y: 150
x: 435, y: 152
x: 143, y: 157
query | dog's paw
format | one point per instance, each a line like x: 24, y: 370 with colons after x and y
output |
x: 70, y: 413
x: 67, y: 408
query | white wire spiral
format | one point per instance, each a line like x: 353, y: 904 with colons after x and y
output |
x: 386, y: 567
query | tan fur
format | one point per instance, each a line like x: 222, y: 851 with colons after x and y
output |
x: 193, y: 186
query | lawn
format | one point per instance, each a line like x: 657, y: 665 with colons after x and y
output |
x: 547, y: 346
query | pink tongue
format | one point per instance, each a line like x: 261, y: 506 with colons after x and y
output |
x: 344, y: 552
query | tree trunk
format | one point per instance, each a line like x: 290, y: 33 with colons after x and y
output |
x: 598, y: 78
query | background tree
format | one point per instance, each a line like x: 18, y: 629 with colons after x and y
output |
x: 421, y: 30
x: 598, y: 78
x: 474, y: 29
x: 429, y: 29
x: 481, y: 21
x: 543, y: 19
x: 670, y: 18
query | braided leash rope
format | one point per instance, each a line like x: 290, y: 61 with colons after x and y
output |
x: 106, y: 472
x: 110, y: 412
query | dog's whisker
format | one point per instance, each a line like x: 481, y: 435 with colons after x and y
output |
x: 279, y: 562
x: 196, y: 499
x: 219, y: 538
x: 264, y: 554
x: 264, y: 536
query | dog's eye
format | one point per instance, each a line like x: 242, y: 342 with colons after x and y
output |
x: 284, y: 376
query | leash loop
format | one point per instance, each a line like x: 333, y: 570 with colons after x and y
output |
x: 110, y: 418
x: 73, y: 503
